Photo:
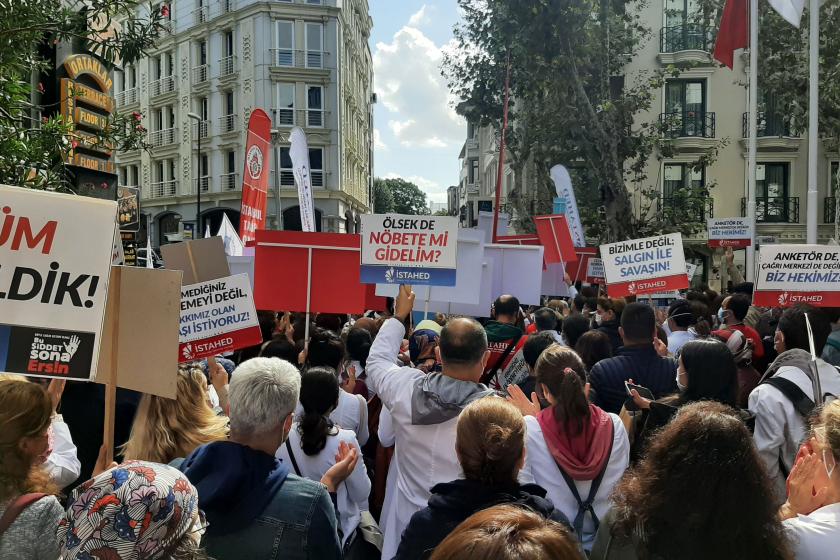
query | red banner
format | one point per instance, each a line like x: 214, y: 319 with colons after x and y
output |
x: 255, y: 176
x: 640, y: 287
x: 554, y: 235
x: 189, y: 351
x: 734, y: 243
x: 577, y: 269
x: 281, y: 281
x: 785, y: 298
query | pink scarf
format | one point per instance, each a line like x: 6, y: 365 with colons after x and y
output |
x: 583, y: 456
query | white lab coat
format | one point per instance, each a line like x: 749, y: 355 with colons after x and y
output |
x: 779, y: 429
x: 387, y: 438
x: 425, y: 453
x: 63, y: 463
x: 815, y: 536
x: 352, y: 494
x: 542, y: 469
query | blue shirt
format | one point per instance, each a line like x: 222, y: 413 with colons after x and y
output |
x: 641, y: 364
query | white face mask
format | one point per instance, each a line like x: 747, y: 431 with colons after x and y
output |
x: 680, y: 386
x: 599, y: 318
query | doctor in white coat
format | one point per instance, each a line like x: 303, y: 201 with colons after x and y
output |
x: 424, y: 408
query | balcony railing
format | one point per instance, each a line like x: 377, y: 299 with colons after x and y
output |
x: 829, y: 210
x: 204, y: 182
x: 295, y: 58
x: 163, y: 137
x: 229, y: 182
x: 202, y: 14
x: 201, y: 130
x: 227, y: 5
x: 768, y: 125
x: 685, y: 37
x: 779, y: 209
x: 227, y: 124
x: 126, y: 97
x: 287, y: 177
x: 200, y: 74
x: 312, y: 118
x: 163, y: 189
x: 162, y: 86
x: 680, y: 209
x: 227, y: 66
x: 688, y: 124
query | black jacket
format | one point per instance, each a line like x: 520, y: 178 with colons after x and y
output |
x: 610, y: 328
x: 453, y: 502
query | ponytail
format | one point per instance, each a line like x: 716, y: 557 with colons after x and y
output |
x: 318, y: 396
x: 562, y: 372
x: 359, y: 342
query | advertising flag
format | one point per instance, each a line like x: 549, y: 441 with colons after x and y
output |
x: 563, y: 185
x: 299, y: 154
x: 255, y: 176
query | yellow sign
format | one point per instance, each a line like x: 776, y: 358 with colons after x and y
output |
x: 84, y: 64
x: 92, y: 163
x: 88, y: 96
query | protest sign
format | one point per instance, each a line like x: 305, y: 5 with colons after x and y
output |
x: 517, y: 270
x: 485, y: 224
x: 55, y: 260
x: 553, y: 281
x: 594, y: 271
x: 470, y: 255
x: 242, y: 265
x: 792, y: 274
x: 311, y: 272
x: 644, y: 266
x: 730, y: 232
x: 416, y: 250
x: 554, y: 235
x: 485, y: 297
x: 217, y: 316
x: 200, y: 260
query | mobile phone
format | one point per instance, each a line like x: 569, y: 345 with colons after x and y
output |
x: 629, y: 404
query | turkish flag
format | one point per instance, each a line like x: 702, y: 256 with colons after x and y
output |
x: 734, y: 32
x: 555, y: 236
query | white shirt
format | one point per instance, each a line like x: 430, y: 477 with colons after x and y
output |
x: 424, y: 453
x: 352, y: 494
x: 542, y: 469
x: 350, y: 414
x: 387, y: 439
x: 63, y: 463
x: 677, y: 339
x: 815, y: 536
x: 779, y: 429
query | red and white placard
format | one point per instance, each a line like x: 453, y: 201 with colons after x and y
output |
x: 730, y: 232
x: 792, y: 274
x: 644, y: 266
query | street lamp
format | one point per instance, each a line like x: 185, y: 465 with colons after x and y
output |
x: 198, y: 232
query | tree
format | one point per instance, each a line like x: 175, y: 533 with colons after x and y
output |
x: 407, y: 197
x: 383, y: 200
x: 32, y: 147
x: 570, y: 101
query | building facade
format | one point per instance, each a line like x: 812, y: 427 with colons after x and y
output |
x: 307, y: 63
x: 705, y: 105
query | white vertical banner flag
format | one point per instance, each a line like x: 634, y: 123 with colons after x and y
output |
x: 791, y: 10
x: 233, y: 243
x: 207, y: 232
x: 563, y: 184
x: 299, y: 154
x: 150, y: 260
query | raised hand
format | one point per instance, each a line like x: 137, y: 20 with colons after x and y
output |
x: 518, y: 399
x: 404, y: 303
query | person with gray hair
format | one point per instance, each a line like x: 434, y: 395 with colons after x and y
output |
x: 255, y: 507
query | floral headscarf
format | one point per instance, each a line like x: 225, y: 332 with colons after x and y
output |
x: 138, y: 510
x: 421, y: 347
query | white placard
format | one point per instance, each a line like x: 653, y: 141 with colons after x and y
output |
x: 517, y: 271
x: 55, y: 261
x: 730, y: 232
x: 485, y: 224
x: 409, y: 241
x: 644, y: 266
x: 792, y: 274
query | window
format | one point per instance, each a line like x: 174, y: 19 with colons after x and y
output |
x: 204, y: 165
x: 473, y: 171
x: 685, y: 108
x: 285, y: 104
x: 681, y: 176
x: 472, y: 131
x: 157, y: 119
x: 204, y: 108
x: 318, y: 2
x: 833, y: 179
x: 231, y: 161
x: 680, y: 12
x: 131, y: 77
x: 314, y: 106
x: 228, y: 44
x: 133, y: 175
x: 229, y: 103
x: 169, y: 66
x: 316, y: 167
x: 314, y: 45
x: 202, y: 53
x: 158, y: 67
x: 285, y: 43
x: 170, y: 116
x: 771, y: 192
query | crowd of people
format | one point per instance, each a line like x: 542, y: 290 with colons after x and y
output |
x: 592, y: 427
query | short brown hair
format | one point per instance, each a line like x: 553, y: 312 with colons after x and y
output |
x: 612, y: 304
x: 508, y: 533
x: 490, y: 440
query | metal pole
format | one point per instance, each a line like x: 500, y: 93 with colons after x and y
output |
x: 753, y: 122
x: 813, y: 118
x: 501, y: 153
x: 278, y: 207
x: 198, y: 233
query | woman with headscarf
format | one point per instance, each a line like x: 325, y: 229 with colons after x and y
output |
x: 422, y: 345
x: 137, y: 510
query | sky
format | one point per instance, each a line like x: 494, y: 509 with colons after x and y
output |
x: 417, y: 134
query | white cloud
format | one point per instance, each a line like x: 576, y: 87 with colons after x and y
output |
x: 421, y: 17
x: 377, y: 141
x: 434, y: 190
x: 410, y: 86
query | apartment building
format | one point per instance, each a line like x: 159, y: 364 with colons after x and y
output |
x: 704, y: 105
x: 307, y: 63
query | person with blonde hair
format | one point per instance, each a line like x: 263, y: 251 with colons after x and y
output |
x: 490, y: 445
x: 508, y: 533
x: 811, y: 515
x: 166, y: 429
x: 29, y: 509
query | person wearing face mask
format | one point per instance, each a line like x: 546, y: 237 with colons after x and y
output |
x: 680, y: 323
x: 731, y: 314
x: 811, y: 514
x: 706, y: 372
x: 608, y: 319
x: 29, y: 509
x: 784, y: 400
